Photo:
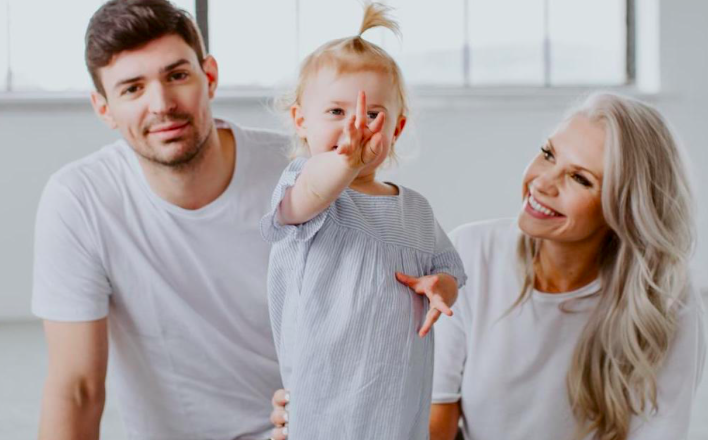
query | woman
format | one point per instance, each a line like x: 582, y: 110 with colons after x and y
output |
x: 600, y: 335
x: 578, y: 320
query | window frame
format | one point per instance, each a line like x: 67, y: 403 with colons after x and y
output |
x: 426, y: 92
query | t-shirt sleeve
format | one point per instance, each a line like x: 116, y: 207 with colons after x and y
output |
x: 446, y: 259
x: 678, y: 379
x: 271, y: 229
x: 70, y: 283
x: 450, y: 355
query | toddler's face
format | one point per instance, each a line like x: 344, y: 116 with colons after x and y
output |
x: 329, y: 99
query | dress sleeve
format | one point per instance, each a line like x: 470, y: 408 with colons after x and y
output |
x: 678, y: 379
x: 69, y: 281
x: 450, y: 355
x: 271, y: 229
x: 446, y: 259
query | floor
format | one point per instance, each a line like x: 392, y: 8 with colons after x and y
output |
x: 22, y: 371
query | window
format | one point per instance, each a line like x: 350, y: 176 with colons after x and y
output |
x: 42, y: 53
x: 447, y: 43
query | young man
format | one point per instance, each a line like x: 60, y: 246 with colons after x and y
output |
x: 153, y: 243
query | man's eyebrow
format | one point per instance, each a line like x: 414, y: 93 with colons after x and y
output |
x: 576, y: 166
x: 174, y: 65
x: 167, y: 68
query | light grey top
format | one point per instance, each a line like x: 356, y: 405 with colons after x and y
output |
x: 345, y: 330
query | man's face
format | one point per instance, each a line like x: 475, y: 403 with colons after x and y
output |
x: 158, y: 97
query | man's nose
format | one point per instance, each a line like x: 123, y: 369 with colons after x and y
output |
x: 160, y: 99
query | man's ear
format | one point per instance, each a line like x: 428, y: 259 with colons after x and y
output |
x: 298, y: 121
x: 211, y: 70
x: 100, y: 106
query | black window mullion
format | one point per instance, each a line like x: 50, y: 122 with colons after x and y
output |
x: 201, y: 8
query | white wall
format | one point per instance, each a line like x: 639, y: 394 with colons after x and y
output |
x: 468, y: 153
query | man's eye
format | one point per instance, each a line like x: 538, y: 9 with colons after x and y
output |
x: 372, y: 115
x: 179, y: 76
x: 131, y: 90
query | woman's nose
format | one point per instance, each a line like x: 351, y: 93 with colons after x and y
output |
x: 546, y: 183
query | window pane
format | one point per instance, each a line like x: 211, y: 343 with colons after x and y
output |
x: 588, y: 41
x: 3, y: 45
x: 507, y: 41
x: 55, y: 60
x: 253, y: 42
x: 430, y: 52
x: 325, y: 20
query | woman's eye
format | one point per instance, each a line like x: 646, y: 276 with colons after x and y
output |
x: 372, y: 115
x: 581, y: 180
x: 336, y: 111
x: 546, y: 153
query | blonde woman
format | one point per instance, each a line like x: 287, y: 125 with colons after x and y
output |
x: 579, y: 320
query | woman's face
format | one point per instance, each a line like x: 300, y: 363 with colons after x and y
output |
x: 562, y: 185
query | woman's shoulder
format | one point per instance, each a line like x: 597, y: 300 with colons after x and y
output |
x: 486, y: 232
x: 487, y: 243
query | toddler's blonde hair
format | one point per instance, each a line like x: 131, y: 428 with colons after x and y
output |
x: 348, y: 55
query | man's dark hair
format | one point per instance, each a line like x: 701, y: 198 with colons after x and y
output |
x: 129, y: 24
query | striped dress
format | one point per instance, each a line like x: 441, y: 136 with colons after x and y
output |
x: 345, y: 329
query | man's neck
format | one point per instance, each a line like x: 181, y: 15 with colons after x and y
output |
x: 197, y: 185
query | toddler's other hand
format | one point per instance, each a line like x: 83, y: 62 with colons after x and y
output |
x: 279, y: 415
x: 441, y: 290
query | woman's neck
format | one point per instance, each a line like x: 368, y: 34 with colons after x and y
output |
x: 564, y: 267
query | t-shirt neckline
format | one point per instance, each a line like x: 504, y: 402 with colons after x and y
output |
x: 215, y: 205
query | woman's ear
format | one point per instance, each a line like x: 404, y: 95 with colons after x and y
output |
x: 298, y: 121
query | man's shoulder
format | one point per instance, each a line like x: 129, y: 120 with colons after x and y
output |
x: 98, y: 168
x: 263, y: 137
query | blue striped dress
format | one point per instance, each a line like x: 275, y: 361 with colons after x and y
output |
x: 345, y: 329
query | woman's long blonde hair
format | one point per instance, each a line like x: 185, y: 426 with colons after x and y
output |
x: 351, y: 54
x: 647, y: 203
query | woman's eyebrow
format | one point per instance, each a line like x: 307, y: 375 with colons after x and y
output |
x: 573, y: 165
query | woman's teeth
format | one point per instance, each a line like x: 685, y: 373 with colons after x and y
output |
x: 542, y: 209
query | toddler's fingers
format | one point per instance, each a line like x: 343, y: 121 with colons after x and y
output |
x: 430, y: 318
x: 280, y: 433
x: 373, y: 148
x: 360, y: 110
x: 279, y: 417
x: 378, y: 123
x: 349, y: 130
x: 280, y: 398
x: 406, y: 280
x: 439, y: 304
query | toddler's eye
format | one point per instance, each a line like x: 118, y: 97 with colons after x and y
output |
x: 372, y: 115
x: 336, y: 111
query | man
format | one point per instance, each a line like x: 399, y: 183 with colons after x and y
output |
x: 153, y: 243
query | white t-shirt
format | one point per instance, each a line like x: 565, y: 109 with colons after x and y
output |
x: 191, y: 349
x: 509, y: 372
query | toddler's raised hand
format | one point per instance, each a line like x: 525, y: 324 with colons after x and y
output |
x: 441, y: 290
x: 364, y: 142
